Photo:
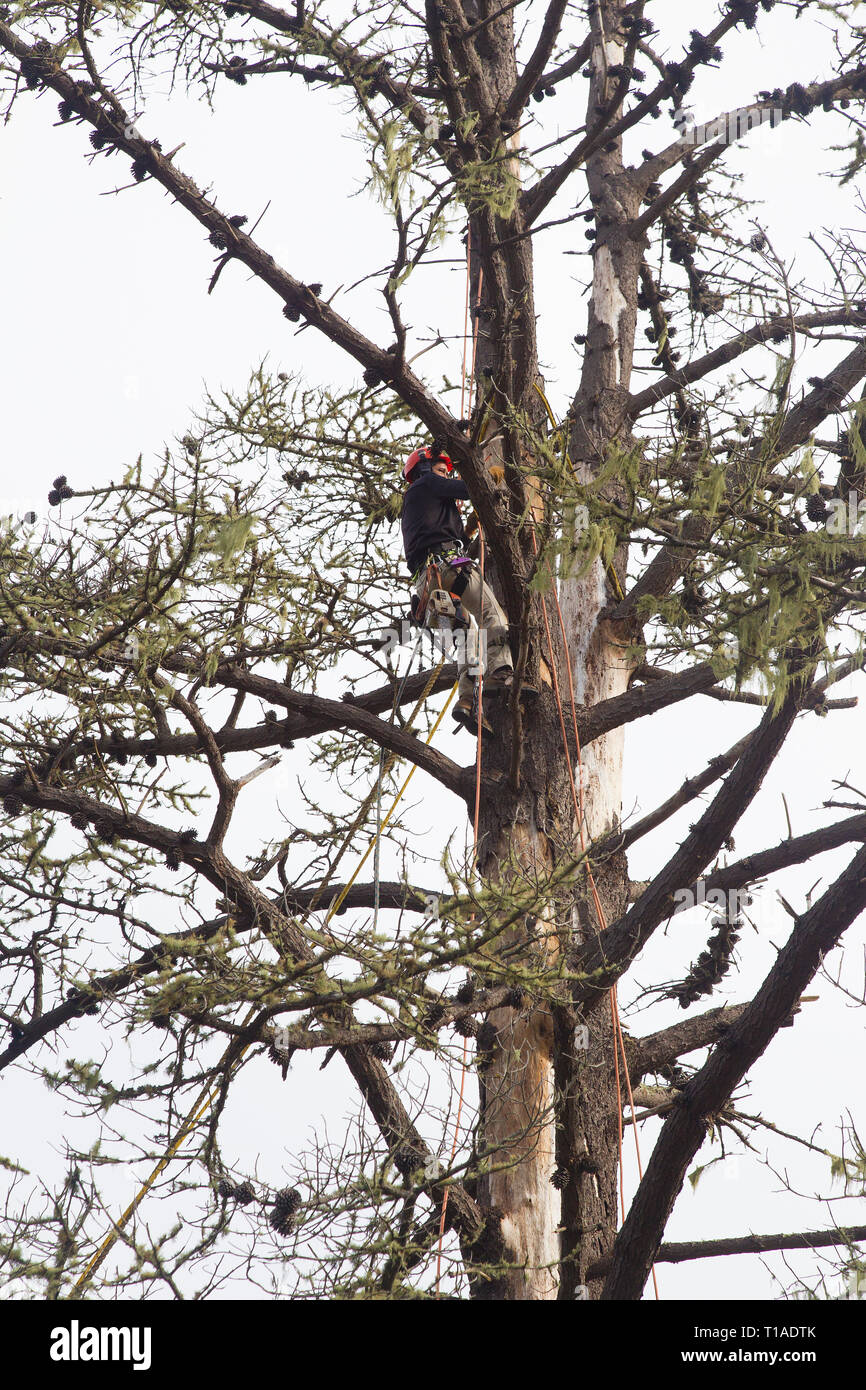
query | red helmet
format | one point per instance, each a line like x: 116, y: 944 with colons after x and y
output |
x: 430, y: 455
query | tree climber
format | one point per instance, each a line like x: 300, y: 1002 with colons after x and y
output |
x: 447, y: 582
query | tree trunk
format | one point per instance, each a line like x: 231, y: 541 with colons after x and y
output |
x: 548, y: 1094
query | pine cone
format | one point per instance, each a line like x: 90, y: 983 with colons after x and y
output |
x: 406, y: 1160
x: 466, y: 1027
x: 466, y: 992
x: 234, y: 63
x: 30, y: 73
x: 746, y: 12
x: 797, y: 99
x: 281, y: 1056
x: 711, y: 966
x: 80, y: 999
x: 284, y: 1210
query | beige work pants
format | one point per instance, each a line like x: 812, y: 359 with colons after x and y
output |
x: 485, y: 646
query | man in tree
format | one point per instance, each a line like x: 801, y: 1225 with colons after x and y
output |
x: 448, y: 581
x: 657, y: 541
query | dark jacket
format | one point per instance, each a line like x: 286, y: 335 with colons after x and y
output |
x: 431, y: 519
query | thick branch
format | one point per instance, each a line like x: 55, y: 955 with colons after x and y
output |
x: 691, y: 788
x: 669, y: 196
x: 119, y: 130
x: 675, y: 1252
x: 742, y: 119
x: 539, y: 57
x: 815, y: 934
x: 660, y: 1049
x: 768, y: 330
x: 342, y: 714
x: 605, y: 958
x: 641, y: 700
x: 797, y: 850
x: 536, y: 199
x: 801, y: 420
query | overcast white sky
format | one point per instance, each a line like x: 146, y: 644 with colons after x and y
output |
x: 109, y: 341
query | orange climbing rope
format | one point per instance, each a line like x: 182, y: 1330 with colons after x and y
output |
x: 577, y: 796
x: 463, y: 1067
x: 466, y: 394
x: 618, y: 1040
x: 466, y: 327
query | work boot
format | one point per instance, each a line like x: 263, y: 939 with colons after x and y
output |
x: 502, y: 680
x: 465, y: 713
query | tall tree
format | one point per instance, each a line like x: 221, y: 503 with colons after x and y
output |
x: 677, y: 535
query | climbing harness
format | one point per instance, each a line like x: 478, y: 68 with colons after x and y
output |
x: 440, y: 611
x: 436, y: 600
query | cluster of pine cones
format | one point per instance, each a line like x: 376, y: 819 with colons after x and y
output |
x: 711, y: 965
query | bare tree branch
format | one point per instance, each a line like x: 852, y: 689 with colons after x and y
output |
x: 813, y: 937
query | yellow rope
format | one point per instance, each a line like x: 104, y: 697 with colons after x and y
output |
x: 205, y: 1096
x: 335, y: 906
x: 368, y: 800
x: 194, y: 1115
